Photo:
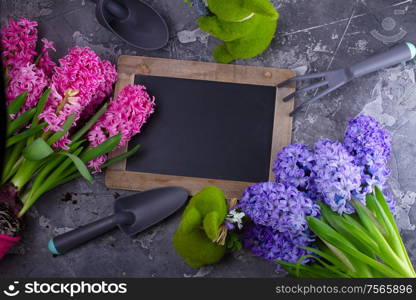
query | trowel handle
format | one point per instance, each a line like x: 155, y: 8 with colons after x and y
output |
x: 396, y: 55
x: 69, y: 240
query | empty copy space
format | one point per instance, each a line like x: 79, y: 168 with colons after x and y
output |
x: 206, y: 129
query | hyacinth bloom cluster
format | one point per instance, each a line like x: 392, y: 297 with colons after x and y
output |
x: 18, y: 42
x: 25, y: 72
x: 283, y: 208
x: 81, y: 81
x: 279, y: 220
x: 104, y: 90
x: 126, y: 115
x: 332, y: 173
x: 264, y: 242
x: 28, y: 78
x: 336, y: 175
x: 370, y: 146
x: 44, y: 60
x: 294, y: 167
x: 66, y: 113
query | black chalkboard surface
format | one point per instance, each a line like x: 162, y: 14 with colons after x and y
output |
x: 206, y: 129
x: 214, y: 124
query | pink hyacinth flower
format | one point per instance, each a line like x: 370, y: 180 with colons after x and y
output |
x: 45, y: 62
x: 29, y: 78
x: 126, y: 115
x: 75, y: 83
x: 103, y: 91
x: 18, y: 43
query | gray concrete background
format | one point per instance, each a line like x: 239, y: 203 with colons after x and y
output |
x: 313, y: 35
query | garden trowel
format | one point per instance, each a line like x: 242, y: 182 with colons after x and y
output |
x: 132, y: 214
x: 133, y: 21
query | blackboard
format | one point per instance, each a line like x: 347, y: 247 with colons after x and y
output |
x: 219, y: 127
x: 206, y: 129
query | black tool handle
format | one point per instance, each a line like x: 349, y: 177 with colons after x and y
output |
x: 117, y: 9
x: 69, y: 240
x: 398, y: 54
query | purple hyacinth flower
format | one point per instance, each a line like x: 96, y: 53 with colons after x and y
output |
x: 282, y: 208
x: 269, y: 244
x: 294, y: 167
x: 370, y: 145
x: 337, y: 177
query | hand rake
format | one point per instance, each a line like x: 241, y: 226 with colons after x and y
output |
x: 333, y: 80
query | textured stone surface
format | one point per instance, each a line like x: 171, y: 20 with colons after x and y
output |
x: 313, y: 35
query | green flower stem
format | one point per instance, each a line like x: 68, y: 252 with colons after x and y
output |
x: 28, y: 197
x: 51, y: 163
x: 386, y: 252
x: 25, y: 173
x: 381, y: 201
x: 341, y: 244
x: 40, y: 179
x: 51, y: 176
x: 64, y: 180
x: 38, y: 189
x: 24, y: 135
x: 392, y: 237
x: 13, y: 159
x: 89, y: 124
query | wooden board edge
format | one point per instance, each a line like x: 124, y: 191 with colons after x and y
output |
x: 136, y: 181
x: 282, y: 125
x: 188, y: 69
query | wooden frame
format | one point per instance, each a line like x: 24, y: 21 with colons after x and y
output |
x: 118, y: 177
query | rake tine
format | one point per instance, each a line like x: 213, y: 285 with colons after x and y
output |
x: 305, y: 89
x: 301, y: 77
x: 313, y: 99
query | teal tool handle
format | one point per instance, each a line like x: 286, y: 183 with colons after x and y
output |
x: 67, y: 241
x: 398, y: 54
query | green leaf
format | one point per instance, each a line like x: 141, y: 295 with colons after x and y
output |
x: 393, y: 237
x: 51, y: 163
x: 371, y: 204
x: 14, y: 107
x: 332, y: 259
x: 311, y: 271
x: 24, y: 134
x: 43, y: 183
x: 120, y: 157
x: 344, y: 258
x: 41, y: 106
x: 11, y: 161
x: 383, y: 203
x: 101, y: 149
x: 233, y: 241
x: 20, y: 121
x: 386, y: 253
x: 338, y: 223
x: 38, y: 150
x: 58, y: 135
x: 89, y: 124
x: 361, y: 235
x: 326, y: 233
x: 64, y: 180
x: 334, y: 269
x: 80, y: 165
x: 367, y: 217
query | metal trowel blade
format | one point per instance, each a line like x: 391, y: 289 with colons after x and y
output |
x: 150, y: 207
